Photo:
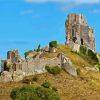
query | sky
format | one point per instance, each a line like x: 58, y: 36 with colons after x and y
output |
x: 24, y: 24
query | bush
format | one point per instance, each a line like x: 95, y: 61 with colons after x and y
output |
x: 89, y: 55
x: 31, y: 93
x: 53, y: 70
x: 54, y: 88
x: 47, y: 94
x: 7, y: 66
x: 98, y: 66
x: 27, y: 53
x: 35, y: 78
x: 53, y: 44
x: 24, y: 93
x: 78, y: 71
x: 27, y: 80
x: 83, y: 50
x: 92, y: 55
x: 14, y: 93
x: 46, y: 85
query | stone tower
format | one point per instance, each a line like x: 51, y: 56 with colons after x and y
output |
x: 78, y: 31
x: 13, y: 56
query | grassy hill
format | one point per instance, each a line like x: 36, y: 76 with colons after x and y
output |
x: 85, y: 87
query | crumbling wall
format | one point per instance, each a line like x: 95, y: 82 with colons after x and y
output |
x: 13, y: 56
x: 38, y: 65
x: 77, y: 31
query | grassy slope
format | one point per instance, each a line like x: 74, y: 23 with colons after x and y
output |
x: 85, y: 87
x: 77, y: 60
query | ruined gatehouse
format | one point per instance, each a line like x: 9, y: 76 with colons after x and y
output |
x: 79, y: 32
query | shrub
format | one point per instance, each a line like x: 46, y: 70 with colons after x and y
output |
x: 92, y: 55
x: 78, y: 71
x: 89, y: 55
x: 7, y: 66
x: 54, y: 88
x: 47, y: 94
x: 27, y: 53
x: 83, y: 50
x: 31, y: 93
x: 14, y: 93
x: 53, y: 44
x: 98, y: 66
x: 24, y: 93
x: 53, y: 69
x: 27, y: 80
x: 46, y: 85
x: 35, y: 78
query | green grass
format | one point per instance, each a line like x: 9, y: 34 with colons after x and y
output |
x: 76, y: 59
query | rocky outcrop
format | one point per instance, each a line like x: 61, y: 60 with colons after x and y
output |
x: 76, y: 47
x: 6, y: 76
x: 92, y: 68
x: 18, y: 75
x: 52, y: 49
x: 67, y: 65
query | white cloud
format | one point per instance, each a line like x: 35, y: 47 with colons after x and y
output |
x: 87, y: 1
x: 46, y: 1
x: 96, y: 11
x: 27, y: 12
x: 65, y: 1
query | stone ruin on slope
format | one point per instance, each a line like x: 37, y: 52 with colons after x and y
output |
x: 34, y: 64
x: 13, y: 58
x: 78, y: 32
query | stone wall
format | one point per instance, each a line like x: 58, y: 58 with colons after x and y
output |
x: 38, y: 65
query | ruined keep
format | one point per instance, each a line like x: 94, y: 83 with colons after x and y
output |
x: 14, y: 59
x: 14, y: 56
x: 78, y: 31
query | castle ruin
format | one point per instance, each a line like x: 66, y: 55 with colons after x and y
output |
x: 78, y: 31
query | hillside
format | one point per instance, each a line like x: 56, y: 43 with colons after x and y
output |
x: 85, y: 87
x: 77, y: 60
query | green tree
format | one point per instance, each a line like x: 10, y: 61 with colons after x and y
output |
x: 53, y: 44
x: 27, y: 53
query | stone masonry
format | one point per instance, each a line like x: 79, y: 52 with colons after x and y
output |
x: 14, y: 56
x: 78, y: 31
x: 14, y: 59
x: 34, y: 64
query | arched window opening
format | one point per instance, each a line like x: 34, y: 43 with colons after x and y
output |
x: 82, y: 42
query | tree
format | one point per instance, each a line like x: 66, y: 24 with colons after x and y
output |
x: 39, y: 48
x: 53, y: 44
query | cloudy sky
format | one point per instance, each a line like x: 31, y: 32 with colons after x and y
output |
x: 26, y: 23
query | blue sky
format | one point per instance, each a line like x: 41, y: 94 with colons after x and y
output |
x: 26, y: 23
